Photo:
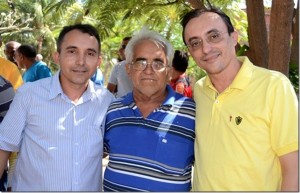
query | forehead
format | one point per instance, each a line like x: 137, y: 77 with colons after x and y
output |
x: 149, y: 47
x: 203, y: 24
x: 79, y: 39
x: 11, y: 46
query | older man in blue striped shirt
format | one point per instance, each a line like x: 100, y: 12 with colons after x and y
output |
x: 149, y: 133
x: 56, y: 123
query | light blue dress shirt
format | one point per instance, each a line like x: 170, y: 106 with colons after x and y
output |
x: 60, y: 143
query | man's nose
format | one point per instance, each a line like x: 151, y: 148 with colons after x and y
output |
x: 81, y: 58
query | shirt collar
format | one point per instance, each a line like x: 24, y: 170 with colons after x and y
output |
x: 56, y: 89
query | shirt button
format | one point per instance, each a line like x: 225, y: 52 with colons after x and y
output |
x: 76, y: 163
x: 217, y: 102
x: 76, y: 144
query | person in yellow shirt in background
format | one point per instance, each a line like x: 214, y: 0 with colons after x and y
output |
x: 10, y: 49
x: 246, y: 116
x: 10, y: 71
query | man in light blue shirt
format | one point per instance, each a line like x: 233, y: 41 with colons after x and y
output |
x: 25, y: 57
x: 59, y: 129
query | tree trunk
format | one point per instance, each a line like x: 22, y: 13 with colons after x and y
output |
x: 196, y: 4
x: 295, y: 33
x: 257, y: 33
x: 40, y: 44
x: 280, y: 35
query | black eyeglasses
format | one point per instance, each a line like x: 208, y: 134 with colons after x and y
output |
x: 141, y: 65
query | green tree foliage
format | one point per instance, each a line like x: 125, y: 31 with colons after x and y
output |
x: 39, y: 22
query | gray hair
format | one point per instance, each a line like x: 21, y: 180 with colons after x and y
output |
x: 146, y: 34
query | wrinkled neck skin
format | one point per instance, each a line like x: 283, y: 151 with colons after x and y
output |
x: 146, y: 104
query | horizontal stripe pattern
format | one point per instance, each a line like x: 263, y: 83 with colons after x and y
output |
x: 150, y: 154
x: 6, y: 96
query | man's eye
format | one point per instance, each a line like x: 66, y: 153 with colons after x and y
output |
x: 70, y: 51
x: 91, y: 54
x: 158, y: 63
x: 141, y: 62
x: 195, y: 43
x: 214, y: 36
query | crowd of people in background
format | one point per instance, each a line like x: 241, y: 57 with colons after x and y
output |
x: 236, y: 128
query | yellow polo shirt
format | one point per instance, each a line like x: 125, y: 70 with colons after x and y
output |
x: 241, y: 132
x: 11, y: 73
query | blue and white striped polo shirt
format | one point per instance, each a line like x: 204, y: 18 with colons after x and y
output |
x: 7, y: 94
x: 150, y: 154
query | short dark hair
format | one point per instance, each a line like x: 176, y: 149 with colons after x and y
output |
x: 197, y: 12
x: 84, y: 28
x: 27, y: 50
x: 180, y: 60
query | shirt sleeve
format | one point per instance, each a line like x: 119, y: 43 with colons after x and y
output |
x: 13, y: 124
x: 284, y: 117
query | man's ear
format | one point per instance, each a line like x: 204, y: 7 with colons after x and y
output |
x: 235, y: 37
x: 99, y: 61
x: 55, y: 57
x: 127, y: 67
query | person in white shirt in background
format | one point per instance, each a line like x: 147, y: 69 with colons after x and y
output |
x: 119, y: 83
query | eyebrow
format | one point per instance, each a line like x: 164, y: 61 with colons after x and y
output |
x: 75, y: 47
x: 140, y: 58
x: 155, y: 59
x: 92, y: 50
x: 208, y: 32
x: 212, y: 30
x: 193, y: 38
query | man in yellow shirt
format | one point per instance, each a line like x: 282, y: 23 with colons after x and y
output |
x: 10, y: 49
x: 10, y: 71
x: 246, y: 116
